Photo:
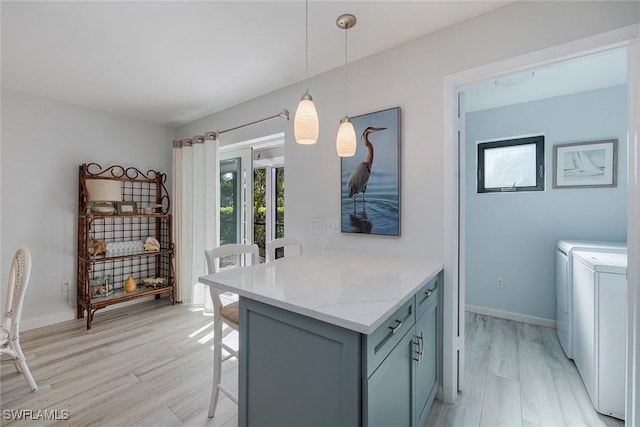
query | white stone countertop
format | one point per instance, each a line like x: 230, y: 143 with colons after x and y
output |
x: 354, y: 291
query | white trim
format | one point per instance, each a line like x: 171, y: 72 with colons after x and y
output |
x: 50, y: 319
x: 63, y: 316
x: 533, y: 320
x: 599, y: 43
x: 450, y: 300
x: 633, y: 236
x: 255, y: 143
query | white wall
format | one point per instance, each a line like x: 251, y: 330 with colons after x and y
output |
x: 513, y: 236
x: 410, y: 76
x: 43, y: 143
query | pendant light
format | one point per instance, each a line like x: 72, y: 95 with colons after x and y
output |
x: 346, y: 139
x: 305, y: 123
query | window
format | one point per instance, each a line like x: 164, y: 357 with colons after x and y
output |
x: 511, y: 165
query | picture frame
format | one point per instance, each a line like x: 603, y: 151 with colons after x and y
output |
x: 127, y: 208
x: 370, y: 191
x: 590, y: 164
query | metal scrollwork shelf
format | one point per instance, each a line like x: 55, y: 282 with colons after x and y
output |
x: 112, y: 248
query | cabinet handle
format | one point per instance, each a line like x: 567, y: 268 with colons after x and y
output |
x: 417, y: 343
x: 420, y: 351
x: 395, y: 328
x: 428, y: 292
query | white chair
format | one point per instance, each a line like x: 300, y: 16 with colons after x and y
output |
x: 283, y: 242
x: 227, y: 314
x: 10, y: 330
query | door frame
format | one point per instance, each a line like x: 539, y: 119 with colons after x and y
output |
x: 244, y: 150
x: 453, y: 301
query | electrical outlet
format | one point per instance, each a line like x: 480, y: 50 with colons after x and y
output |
x: 500, y: 283
x: 333, y: 226
x: 66, y: 286
x: 316, y: 226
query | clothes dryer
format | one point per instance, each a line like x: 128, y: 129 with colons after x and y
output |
x: 600, y: 325
x: 564, y: 285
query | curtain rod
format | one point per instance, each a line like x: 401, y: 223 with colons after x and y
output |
x: 213, y: 135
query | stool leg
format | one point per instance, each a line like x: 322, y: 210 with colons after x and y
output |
x: 217, y: 366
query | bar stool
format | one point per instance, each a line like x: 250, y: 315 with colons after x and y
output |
x: 225, y: 314
x: 283, y: 242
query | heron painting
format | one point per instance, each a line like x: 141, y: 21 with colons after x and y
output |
x: 370, y: 184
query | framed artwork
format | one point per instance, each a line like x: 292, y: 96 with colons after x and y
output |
x: 370, y: 180
x: 127, y: 208
x: 585, y: 164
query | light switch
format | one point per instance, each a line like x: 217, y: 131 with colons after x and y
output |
x: 316, y: 226
x: 333, y: 226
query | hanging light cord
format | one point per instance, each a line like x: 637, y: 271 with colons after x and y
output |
x: 306, y: 49
x: 346, y: 98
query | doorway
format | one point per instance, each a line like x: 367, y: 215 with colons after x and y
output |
x: 252, y: 192
x: 511, y: 231
x: 453, y: 322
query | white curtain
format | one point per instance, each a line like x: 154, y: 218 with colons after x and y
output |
x: 195, y: 194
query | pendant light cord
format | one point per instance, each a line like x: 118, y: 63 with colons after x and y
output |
x: 346, y: 98
x: 306, y: 49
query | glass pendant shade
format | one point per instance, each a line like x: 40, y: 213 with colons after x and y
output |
x: 346, y: 139
x: 305, y: 123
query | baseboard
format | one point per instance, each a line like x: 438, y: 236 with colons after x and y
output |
x: 50, y: 319
x: 549, y: 323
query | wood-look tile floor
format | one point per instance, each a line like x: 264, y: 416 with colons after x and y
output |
x: 517, y: 375
x: 152, y: 366
x: 148, y: 366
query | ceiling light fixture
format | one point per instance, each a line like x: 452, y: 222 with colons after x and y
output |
x: 346, y: 139
x: 305, y: 123
x: 514, y: 79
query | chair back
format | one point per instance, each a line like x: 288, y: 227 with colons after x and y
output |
x: 17, y: 286
x: 213, y: 255
x: 283, y: 242
x: 213, y: 265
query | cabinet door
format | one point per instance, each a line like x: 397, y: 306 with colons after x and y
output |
x: 426, y: 368
x: 296, y: 371
x: 387, y: 396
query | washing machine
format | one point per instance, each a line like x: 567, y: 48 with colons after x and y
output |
x: 600, y: 325
x: 564, y: 282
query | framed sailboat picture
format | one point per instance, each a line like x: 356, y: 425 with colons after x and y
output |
x: 370, y: 180
x: 585, y: 164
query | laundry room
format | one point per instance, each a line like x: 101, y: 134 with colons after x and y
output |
x: 565, y: 125
x: 511, y: 236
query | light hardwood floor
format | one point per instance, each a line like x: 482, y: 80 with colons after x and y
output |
x: 152, y: 366
x: 517, y: 375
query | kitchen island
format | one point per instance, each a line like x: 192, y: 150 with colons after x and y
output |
x: 336, y: 340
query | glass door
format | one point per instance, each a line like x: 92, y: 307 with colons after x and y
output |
x: 236, y: 207
x: 252, y: 193
x: 268, y: 206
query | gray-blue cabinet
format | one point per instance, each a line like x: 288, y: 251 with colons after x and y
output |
x: 400, y: 390
x: 426, y: 367
x: 299, y: 371
x: 387, y: 394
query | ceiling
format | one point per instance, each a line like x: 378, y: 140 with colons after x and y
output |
x: 591, y: 72
x: 172, y: 62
